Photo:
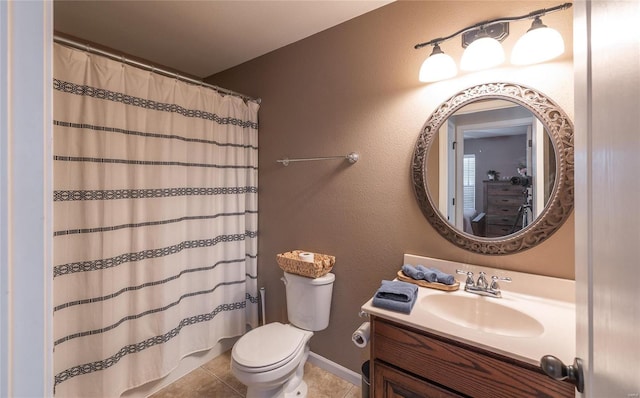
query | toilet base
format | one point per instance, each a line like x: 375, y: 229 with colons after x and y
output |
x: 295, y: 387
x: 287, y: 391
x: 298, y: 392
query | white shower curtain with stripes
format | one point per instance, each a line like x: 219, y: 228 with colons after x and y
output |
x: 155, y: 222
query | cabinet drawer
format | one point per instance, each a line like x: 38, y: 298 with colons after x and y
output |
x: 504, y: 189
x: 391, y: 382
x: 462, y: 368
x: 502, y: 211
x: 505, y: 201
x: 500, y: 230
x: 501, y: 219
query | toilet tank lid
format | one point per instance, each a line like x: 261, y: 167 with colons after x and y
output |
x: 323, y: 280
x: 268, y: 345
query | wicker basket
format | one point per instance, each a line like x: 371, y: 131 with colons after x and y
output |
x: 290, y: 262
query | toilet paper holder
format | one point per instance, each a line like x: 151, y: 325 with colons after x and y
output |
x: 361, y: 336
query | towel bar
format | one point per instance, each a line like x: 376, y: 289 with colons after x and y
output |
x: 351, y: 157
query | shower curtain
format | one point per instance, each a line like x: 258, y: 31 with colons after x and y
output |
x: 155, y: 222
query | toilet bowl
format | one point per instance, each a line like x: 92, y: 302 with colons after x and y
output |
x: 270, y: 359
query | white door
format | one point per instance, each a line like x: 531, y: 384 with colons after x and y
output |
x: 607, y: 159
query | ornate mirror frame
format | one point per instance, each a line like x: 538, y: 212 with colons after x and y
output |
x: 560, y: 204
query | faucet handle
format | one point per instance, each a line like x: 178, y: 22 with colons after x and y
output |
x: 495, y: 279
x: 469, y: 274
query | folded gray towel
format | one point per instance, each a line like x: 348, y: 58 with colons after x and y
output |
x: 396, y: 296
x: 429, y: 275
x: 440, y: 276
x: 412, y: 272
x: 397, y: 291
x: 398, y: 306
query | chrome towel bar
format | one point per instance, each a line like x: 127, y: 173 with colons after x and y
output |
x: 351, y: 158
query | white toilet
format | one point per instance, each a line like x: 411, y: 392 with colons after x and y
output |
x: 270, y: 359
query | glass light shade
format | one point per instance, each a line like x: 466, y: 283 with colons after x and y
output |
x: 482, y: 53
x: 539, y: 44
x: 438, y: 66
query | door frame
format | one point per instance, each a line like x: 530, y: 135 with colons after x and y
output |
x: 26, y: 206
x: 607, y: 192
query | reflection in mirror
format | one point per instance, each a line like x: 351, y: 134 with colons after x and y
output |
x: 492, y: 168
x: 496, y: 157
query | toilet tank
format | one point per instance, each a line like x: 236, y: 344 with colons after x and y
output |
x: 309, y: 300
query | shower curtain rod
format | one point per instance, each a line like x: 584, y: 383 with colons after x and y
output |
x: 88, y: 48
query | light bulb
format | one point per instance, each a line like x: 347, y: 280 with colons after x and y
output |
x: 482, y: 53
x: 539, y: 44
x: 438, y: 66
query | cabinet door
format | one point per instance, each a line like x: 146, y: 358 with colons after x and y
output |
x: 391, y: 383
x: 465, y: 369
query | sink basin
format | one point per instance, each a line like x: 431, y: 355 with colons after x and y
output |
x: 483, y: 314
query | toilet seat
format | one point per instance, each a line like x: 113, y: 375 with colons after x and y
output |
x: 268, y: 347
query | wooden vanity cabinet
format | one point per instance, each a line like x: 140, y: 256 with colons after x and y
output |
x: 411, y: 363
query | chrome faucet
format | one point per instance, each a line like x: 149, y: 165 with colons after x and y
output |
x: 482, y: 286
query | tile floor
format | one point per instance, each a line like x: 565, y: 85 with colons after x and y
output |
x: 214, y: 380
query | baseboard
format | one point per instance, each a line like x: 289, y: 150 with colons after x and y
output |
x: 334, y: 368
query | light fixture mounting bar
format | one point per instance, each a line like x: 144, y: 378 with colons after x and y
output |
x: 531, y: 15
x: 498, y: 31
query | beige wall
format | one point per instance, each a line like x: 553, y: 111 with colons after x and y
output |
x: 354, y: 88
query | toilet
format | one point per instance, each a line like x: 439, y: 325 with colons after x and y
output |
x: 270, y: 359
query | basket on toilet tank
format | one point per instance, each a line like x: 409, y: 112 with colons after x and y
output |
x: 290, y: 262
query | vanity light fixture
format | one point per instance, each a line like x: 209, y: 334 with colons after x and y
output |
x: 483, y: 49
x: 540, y: 43
x: 438, y: 66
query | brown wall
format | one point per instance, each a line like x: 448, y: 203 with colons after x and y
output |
x: 354, y: 88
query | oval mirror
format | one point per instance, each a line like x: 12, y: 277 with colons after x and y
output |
x: 493, y: 168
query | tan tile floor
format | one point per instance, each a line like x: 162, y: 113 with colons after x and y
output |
x: 214, y: 380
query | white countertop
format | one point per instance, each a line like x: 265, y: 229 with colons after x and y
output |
x: 550, y: 301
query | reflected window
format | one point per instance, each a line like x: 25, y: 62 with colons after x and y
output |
x: 469, y: 182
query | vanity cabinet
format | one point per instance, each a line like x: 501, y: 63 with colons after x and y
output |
x: 411, y: 363
x: 501, y: 203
